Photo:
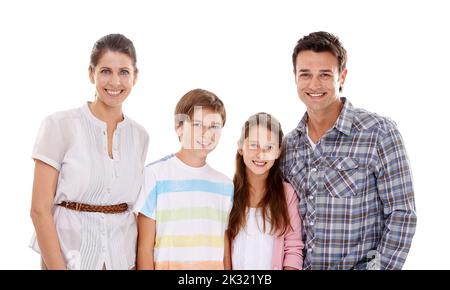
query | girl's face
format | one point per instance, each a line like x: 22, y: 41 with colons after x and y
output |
x: 260, y: 150
x: 113, y: 77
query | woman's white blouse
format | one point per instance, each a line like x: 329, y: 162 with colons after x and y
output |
x: 75, y: 143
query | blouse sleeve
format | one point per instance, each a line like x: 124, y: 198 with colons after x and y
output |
x: 49, y: 145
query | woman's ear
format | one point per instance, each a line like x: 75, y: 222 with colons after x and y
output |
x: 136, y: 73
x: 91, y: 75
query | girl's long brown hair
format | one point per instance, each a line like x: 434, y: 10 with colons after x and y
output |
x: 273, y: 204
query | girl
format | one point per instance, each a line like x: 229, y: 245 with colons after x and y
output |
x: 88, y: 171
x: 264, y: 230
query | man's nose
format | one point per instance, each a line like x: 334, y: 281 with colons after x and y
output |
x: 315, y: 83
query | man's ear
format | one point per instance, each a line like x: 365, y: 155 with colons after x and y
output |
x: 342, y: 79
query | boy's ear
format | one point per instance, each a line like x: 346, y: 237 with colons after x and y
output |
x: 179, y: 130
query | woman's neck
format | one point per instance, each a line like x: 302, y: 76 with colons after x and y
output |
x: 110, y: 115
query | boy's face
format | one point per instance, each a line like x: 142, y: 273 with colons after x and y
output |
x: 201, y: 133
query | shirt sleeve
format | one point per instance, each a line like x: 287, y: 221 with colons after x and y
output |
x: 147, y: 198
x: 395, y: 189
x: 50, y: 144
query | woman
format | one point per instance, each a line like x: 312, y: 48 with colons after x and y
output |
x: 88, y: 171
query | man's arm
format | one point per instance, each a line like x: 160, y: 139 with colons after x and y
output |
x: 395, y: 189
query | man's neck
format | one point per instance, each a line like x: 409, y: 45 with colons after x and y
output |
x: 319, y: 122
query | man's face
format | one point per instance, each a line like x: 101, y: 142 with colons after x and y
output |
x: 318, y: 80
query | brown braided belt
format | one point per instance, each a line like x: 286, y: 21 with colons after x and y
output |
x: 117, y: 208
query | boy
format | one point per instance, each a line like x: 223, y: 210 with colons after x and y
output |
x: 184, y: 203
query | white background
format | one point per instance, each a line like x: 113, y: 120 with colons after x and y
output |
x: 241, y: 50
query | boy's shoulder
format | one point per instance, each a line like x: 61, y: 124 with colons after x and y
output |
x: 219, y: 176
x: 158, y: 165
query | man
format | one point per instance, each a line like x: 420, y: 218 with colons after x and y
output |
x: 349, y: 168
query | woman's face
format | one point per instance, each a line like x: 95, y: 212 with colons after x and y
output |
x: 113, y: 77
x: 260, y: 150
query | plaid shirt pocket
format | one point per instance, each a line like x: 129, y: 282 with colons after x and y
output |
x: 343, y: 177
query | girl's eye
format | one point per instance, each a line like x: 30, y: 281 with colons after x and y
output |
x: 252, y: 145
x: 197, y: 124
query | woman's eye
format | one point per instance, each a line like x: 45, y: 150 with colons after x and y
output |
x: 125, y: 72
x: 105, y: 71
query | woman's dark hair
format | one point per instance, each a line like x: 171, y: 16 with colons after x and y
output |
x: 114, y: 43
x: 273, y: 204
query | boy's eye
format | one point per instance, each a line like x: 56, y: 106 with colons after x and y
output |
x: 216, y: 127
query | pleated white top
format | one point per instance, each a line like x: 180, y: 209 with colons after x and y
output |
x: 75, y: 143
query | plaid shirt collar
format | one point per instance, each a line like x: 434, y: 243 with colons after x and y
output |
x: 343, y: 123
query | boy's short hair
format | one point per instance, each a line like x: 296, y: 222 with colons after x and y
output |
x: 198, y: 98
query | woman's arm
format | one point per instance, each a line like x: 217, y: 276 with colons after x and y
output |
x: 146, y: 243
x: 44, y: 188
x: 227, y: 253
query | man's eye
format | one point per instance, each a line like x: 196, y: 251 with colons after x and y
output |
x: 325, y: 76
x: 304, y: 75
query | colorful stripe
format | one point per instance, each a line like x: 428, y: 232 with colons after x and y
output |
x: 189, y: 241
x: 191, y: 214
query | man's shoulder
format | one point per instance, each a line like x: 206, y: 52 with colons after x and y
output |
x: 365, y: 120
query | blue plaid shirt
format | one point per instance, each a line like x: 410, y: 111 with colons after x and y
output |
x: 355, y: 190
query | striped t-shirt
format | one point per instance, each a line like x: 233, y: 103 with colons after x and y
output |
x: 190, y: 206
